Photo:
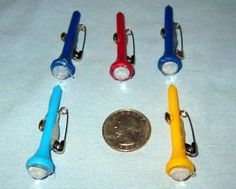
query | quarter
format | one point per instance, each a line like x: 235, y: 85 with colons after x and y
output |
x: 126, y: 130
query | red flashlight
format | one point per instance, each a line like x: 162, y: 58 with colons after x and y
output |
x: 122, y: 69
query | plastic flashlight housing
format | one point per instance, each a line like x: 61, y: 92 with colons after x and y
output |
x: 179, y: 166
x: 170, y: 63
x: 40, y: 165
x: 63, y: 68
x: 121, y: 69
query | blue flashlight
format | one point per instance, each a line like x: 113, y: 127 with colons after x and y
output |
x: 40, y: 165
x: 170, y: 63
x: 63, y: 68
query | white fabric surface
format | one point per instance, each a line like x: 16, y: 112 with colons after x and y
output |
x: 29, y: 41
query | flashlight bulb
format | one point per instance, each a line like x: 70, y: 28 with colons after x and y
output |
x: 38, y: 172
x: 169, y: 68
x: 121, y: 73
x: 180, y: 173
x: 60, y: 72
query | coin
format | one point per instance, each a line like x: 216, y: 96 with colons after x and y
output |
x: 126, y: 130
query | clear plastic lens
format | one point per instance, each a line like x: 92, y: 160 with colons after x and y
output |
x: 60, y: 72
x: 180, y: 174
x: 121, y: 73
x: 37, y: 172
x: 169, y: 68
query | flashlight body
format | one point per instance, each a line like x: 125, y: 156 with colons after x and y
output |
x: 178, y: 158
x: 121, y: 41
x: 121, y: 38
x: 171, y: 42
x: 70, y: 45
x: 170, y: 32
x: 42, y: 157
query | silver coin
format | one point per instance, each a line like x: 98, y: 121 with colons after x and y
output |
x: 126, y: 130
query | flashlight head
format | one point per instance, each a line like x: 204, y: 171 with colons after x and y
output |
x: 38, y: 172
x: 62, y: 68
x: 180, y: 167
x: 169, y: 65
x: 180, y: 173
x: 121, y: 70
x: 40, y: 166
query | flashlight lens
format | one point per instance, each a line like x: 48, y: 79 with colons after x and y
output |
x: 180, y: 173
x: 169, y: 68
x: 38, y: 172
x: 61, y: 72
x: 121, y: 73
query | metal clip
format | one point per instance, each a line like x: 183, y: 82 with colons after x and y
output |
x: 58, y: 147
x: 131, y: 59
x: 180, y: 53
x: 77, y: 55
x: 191, y: 149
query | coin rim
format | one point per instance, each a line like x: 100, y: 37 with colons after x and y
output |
x: 126, y: 110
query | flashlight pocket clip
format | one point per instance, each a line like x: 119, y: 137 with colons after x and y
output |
x: 58, y: 147
x: 77, y: 55
x: 129, y: 32
x: 177, y: 26
x: 191, y: 149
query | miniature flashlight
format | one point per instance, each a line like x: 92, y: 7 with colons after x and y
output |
x: 170, y: 63
x: 63, y: 68
x: 179, y: 166
x: 40, y: 165
x: 122, y: 69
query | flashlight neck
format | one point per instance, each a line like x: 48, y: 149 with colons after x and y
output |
x: 170, y: 32
x: 176, y: 123
x: 177, y: 137
x: 51, y: 117
x: 121, y: 37
x: 71, y: 37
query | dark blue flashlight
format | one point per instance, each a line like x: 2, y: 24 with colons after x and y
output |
x: 170, y: 63
x: 63, y: 68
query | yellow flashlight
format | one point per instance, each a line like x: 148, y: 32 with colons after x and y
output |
x: 179, y: 166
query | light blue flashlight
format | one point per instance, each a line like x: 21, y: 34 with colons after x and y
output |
x: 40, y: 165
x: 62, y: 67
x: 170, y: 63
